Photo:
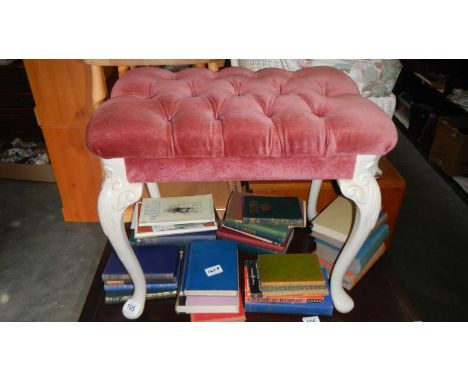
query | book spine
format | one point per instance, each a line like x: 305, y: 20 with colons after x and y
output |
x: 257, y: 230
x: 284, y: 300
x: 288, y: 308
x: 248, y: 240
x: 252, y: 249
x: 368, y: 249
x: 251, y: 278
x: 149, y: 287
x: 170, y: 240
x: 328, y: 253
x: 183, y: 269
x: 289, y: 222
x: 149, y: 296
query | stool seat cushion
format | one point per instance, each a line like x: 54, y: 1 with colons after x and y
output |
x: 268, y: 120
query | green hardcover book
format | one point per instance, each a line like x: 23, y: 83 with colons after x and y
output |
x: 272, y: 210
x: 290, y: 270
x: 275, y: 233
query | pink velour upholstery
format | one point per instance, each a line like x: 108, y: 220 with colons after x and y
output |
x: 237, y: 124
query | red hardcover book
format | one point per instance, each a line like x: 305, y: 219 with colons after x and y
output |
x: 227, y: 233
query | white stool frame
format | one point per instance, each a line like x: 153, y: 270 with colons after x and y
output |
x: 117, y: 194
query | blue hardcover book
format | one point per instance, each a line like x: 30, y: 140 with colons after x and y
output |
x: 367, y: 250
x: 323, y: 308
x: 181, y: 239
x: 150, y: 288
x: 211, y: 268
x: 159, y: 264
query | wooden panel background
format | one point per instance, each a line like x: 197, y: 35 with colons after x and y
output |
x: 62, y: 94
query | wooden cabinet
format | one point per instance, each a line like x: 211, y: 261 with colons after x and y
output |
x: 392, y: 188
x: 62, y: 94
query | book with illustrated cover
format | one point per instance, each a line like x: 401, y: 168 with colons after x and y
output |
x: 210, y: 268
x: 177, y: 210
x: 273, y: 210
x: 153, y: 231
x: 160, y: 263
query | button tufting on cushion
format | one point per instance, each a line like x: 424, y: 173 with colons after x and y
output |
x: 237, y: 114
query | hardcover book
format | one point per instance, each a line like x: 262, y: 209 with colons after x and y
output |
x: 351, y: 279
x: 251, y: 281
x: 114, y: 298
x: 324, y: 307
x: 272, y: 210
x: 221, y: 317
x: 275, y: 233
x: 366, y: 251
x: 151, y: 231
x: 158, y: 262
x: 177, y: 210
x: 211, y: 268
x: 207, y: 304
x: 180, y: 239
x: 230, y: 234
x: 290, y: 270
x: 160, y: 287
x: 333, y: 225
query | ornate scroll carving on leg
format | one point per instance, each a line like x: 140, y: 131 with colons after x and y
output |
x: 116, y: 195
x: 364, y: 191
x: 313, y: 197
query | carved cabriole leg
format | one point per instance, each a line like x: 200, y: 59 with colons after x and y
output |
x: 364, y: 191
x: 313, y: 197
x: 116, y: 195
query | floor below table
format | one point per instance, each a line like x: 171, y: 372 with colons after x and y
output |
x: 377, y: 297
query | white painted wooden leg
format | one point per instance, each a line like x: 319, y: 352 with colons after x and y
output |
x: 313, y: 197
x: 153, y: 190
x: 364, y: 191
x: 116, y: 195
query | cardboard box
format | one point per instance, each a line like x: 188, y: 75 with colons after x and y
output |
x: 449, y: 149
x: 37, y: 172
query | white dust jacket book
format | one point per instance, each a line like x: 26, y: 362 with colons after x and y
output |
x: 336, y: 220
x: 177, y: 210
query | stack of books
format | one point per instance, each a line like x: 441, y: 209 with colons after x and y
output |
x: 210, y: 279
x: 331, y: 229
x: 160, y: 265
x: 290, y: 283
x: 174, y: 220
x: 262, y: 224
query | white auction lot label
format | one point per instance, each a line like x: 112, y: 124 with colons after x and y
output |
x: 214, y: 270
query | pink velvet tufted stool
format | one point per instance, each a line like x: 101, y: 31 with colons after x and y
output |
x: 199, y: 125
